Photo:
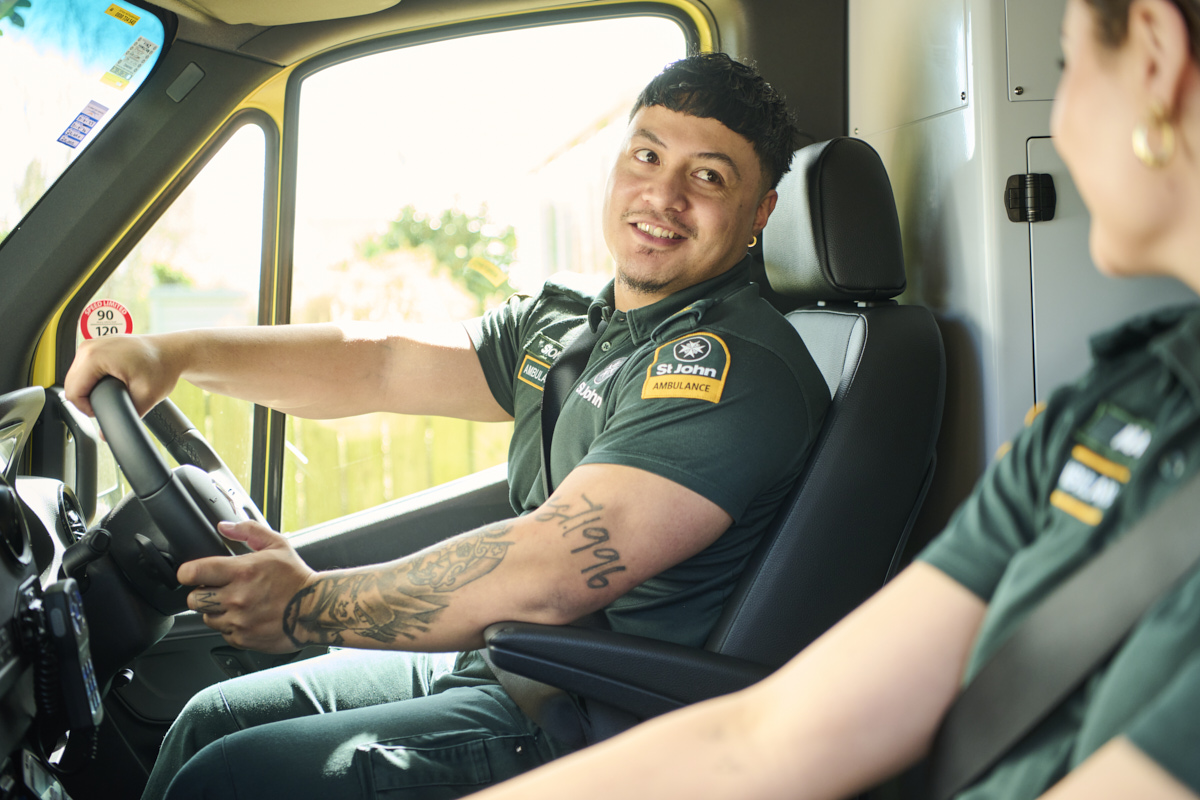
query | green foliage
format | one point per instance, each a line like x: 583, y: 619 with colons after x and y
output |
x: 472, y: 250
x: 167, y: 275
x: 338, y: 467
x: 8, y: 9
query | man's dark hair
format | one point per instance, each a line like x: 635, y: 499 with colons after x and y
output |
x: 714, y: 86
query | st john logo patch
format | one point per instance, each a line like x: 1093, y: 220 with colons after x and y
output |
x: 693, y: 366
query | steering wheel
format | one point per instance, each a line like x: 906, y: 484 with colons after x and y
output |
x: 185, y: 503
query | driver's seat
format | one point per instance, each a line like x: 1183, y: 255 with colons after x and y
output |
x: 832, y: 247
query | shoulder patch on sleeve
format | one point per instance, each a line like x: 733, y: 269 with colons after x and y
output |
x: 692, y: 366
x: 540, y: 355
x: 1033, y: 412
x: 533, y: 371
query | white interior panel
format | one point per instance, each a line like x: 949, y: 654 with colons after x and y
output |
x: 1071, y: 300
x: 1032, y: 28
x: 907, y: 61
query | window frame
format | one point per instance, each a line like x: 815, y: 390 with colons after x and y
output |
x: 69, y: 319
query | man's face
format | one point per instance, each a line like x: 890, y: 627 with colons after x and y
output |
x: 684, y: 199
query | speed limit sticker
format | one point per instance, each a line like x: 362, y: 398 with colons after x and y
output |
x: 105, y: 318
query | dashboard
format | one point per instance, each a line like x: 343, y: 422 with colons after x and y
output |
x: 46, y: 673
x: 19, y: 584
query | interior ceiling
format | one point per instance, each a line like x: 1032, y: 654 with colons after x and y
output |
x: 284, y: 33
x: 800, y: 44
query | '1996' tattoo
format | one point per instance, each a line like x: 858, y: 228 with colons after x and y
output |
x: 386, y: 604
x: 585, y: 522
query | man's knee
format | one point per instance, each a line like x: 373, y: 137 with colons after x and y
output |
x: 205, y: 719
x: 205, y: 776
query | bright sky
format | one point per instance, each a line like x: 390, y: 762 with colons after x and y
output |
x: 53, y: 68
x: 466, y: 121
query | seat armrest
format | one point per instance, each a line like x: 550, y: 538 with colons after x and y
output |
x: 645, y: 677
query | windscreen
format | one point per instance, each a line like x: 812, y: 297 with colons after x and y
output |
x: 66, y: 68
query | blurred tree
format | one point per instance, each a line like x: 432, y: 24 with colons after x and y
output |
x: 473, y: 251
x: 167, y: 275
x: 8, y: 9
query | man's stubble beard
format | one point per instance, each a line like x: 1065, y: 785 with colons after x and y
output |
x: 640, y: 285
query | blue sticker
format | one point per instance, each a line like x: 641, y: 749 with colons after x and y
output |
x: 83, y: 124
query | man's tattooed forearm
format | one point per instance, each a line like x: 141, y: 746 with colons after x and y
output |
x: 371, y: 605
x: 385, y: 604
x: 450, y: 566
x: 584, y: 526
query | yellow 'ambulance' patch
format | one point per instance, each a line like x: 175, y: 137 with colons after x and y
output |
x: 693, y: 366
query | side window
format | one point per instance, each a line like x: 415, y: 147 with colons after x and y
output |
x: 198, y: 266
x: 433, y: 181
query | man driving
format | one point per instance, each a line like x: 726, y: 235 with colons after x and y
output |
x: 656, y: 481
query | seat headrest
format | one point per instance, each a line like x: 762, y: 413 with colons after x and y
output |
x: 835, y: 234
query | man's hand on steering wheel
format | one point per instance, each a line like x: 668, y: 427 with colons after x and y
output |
x: 244, y: 597
x: 146, y: 369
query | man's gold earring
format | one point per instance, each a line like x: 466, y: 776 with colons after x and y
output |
x: 1159, y: 128
x: 753, y: 242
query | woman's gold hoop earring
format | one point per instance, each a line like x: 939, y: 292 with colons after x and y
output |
x: 753, y: 242
x: 1163, y: 131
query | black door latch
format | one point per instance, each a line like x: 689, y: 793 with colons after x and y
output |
x: 1030, y: 198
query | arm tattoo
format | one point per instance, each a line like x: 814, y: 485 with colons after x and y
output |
x: 389, y: 603
x: 588, y: 533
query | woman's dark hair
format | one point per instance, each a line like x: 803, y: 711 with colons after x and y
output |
x: 714, y: 86
x: 1112, y: 21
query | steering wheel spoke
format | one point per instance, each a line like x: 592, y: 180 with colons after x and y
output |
x: 185, y: 504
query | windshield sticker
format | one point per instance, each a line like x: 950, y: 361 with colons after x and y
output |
x: 692, y: 366
x: 122, y: 14
x: 87, y: 119
x: 105, y: 318
x: 487, y: 270
x: 120, y: 74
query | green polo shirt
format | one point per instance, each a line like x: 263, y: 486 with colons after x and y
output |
x: 1100, y: 456
x: 710, y: 388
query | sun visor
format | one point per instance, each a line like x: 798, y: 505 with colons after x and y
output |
x: 271, y: 12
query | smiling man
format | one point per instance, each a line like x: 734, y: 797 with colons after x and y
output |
x: 679, y: 210
x: 659, y: 481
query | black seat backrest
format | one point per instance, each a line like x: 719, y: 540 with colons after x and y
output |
x: 833, y: 243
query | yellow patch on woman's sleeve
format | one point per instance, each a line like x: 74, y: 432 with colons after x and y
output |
x: 1032, y: 413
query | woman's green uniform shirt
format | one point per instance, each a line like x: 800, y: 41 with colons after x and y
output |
x: 1100, y: 456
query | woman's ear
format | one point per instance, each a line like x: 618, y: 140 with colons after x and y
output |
x: 1160, y: 50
